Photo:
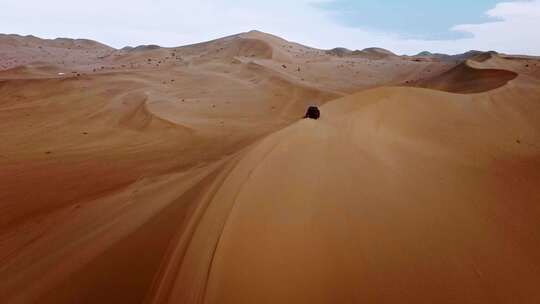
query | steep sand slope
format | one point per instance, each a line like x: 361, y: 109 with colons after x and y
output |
x: 395, y: 195
x: 482, y: 73
x: 466, y: 79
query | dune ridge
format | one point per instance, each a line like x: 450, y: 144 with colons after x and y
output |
x: 293, y: 192
x: 469, y: 77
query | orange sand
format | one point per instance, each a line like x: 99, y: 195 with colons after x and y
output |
x: 185, y: 175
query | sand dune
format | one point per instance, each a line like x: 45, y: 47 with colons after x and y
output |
x: 374, y: 53
x: 465, y: 78
x: 387, y: 223
x: 185, y: 175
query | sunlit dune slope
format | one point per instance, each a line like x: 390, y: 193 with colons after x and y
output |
x: 395, y: 195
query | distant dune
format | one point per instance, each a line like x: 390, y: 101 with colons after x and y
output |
x: 187, y: 174
x: 471, y: 77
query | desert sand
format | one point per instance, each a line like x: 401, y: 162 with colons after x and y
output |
x: 186, y: 175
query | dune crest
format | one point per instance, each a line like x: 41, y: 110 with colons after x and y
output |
x: 302, y: 216
x: 471, y: 76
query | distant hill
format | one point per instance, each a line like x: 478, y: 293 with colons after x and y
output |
x: 446, y: 57
x: 339, y: 51
x: 371, y: 53
x: 374, y: 53
x: 141, y: 48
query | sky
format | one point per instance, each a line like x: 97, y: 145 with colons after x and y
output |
x: 404, y: 27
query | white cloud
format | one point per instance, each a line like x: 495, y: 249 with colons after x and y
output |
x: 173, y: 23
x: 515, y: 31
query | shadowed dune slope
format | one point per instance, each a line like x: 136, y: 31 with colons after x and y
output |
x: 465, y: 78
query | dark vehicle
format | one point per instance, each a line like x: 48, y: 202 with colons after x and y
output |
x: 313, y: 113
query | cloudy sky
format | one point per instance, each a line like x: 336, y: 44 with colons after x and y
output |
x: 405, y: 27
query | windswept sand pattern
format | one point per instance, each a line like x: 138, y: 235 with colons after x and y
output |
x: 186, y: 175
